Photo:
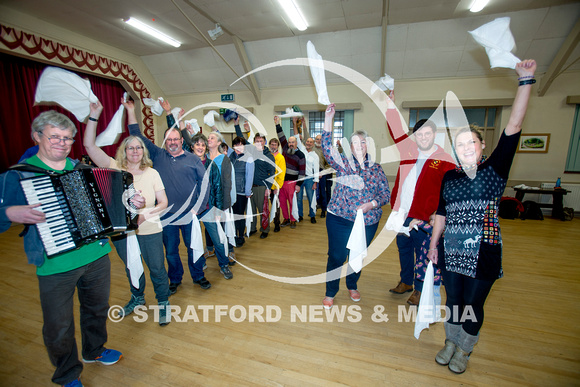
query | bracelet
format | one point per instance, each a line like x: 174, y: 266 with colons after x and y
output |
x: 93, y: 119
x: 432, y: 249
x: 526, y: 77
x: 527, y: 82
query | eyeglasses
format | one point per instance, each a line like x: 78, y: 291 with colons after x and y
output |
x: 134, y: 148
x: 57, y: 140
x: 173, y: 140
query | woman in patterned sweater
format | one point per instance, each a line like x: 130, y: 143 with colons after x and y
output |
x: 361, y: 184
x: 467, y: 211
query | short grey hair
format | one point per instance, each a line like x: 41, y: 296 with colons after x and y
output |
x: 52, y: 118
x: 219, y: 136
x: 360, y: 133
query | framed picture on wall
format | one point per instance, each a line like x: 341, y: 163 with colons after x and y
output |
x: 534, y: 143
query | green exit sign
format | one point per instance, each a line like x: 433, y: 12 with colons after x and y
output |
x: 227, y: 98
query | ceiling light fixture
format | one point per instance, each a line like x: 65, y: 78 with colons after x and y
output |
x: 294, y: 14
x: 152, y: 31
x: 216, y: 32
x: 478, y: 5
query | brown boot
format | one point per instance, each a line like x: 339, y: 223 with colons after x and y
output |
x: 414, y: 299
x: 401, y: 288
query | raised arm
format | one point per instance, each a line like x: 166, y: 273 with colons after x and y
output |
x: 96, y: 154
x: 237, y: 127
x: 331, y: 154
x: 134, y: 130
x: 525, y: 71
x: 281, y: 135
x: 395, y: 122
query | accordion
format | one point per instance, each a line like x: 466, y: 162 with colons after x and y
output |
x: 81, y: 206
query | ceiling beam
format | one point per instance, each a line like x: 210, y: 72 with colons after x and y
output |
x: 384, y: 37
x: 561, y: 57
x: 254, y: 88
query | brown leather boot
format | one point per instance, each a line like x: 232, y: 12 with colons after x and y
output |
x: 401, y: 288
x: 414, y: 299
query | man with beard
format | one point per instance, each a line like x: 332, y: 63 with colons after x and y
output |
x: 415, y: 195
x: 295, y: 172
x: 182, y: 174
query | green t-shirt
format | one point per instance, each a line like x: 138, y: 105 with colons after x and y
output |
x: 75, y: 258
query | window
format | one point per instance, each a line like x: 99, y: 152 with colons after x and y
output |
x: 485, y: 118
x: 316, y: 124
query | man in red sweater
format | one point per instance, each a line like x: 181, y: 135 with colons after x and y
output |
x: 415, y: 194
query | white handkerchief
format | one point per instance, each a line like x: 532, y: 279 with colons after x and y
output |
x: 223, y: 237
x: 110, y: 135
x: 196, y: 239
x: 357, y: 242
x: 428, y: 311
x: 498, y: 41
x: 175, y: 114
x: 230, y: 227
x: 395, y: 222
x: 317, y: 70
x: 67, y: 89
x: 291, y: 113
x: 209, y: 118
x: 194, y: 125
x: 313, y: 205
x: 155, y: 105
x: 386, y: 83
x: 134, y: 263
x: 249, y: 217
x: 275, y: 205
x: 295, y: 207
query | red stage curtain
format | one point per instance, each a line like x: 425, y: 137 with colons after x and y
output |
x: 18, y: 78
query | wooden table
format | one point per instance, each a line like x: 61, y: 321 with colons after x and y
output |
x: 557, y: 205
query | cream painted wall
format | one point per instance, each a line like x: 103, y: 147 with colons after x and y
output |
x: 545, y: 114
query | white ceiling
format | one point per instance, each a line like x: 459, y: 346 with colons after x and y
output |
x: 425, y: 38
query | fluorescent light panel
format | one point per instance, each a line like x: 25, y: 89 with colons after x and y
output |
x: 478, y: 5
x: 152, y: 31
x: 294, y: 14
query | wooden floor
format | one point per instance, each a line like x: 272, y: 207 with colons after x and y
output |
x: 531, y: 335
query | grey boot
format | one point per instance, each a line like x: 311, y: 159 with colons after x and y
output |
x: 458, y: 363
x: 164, y: 313
x: 133, y: 302
x: 451, y: 339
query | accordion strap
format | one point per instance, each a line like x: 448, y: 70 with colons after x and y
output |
x: 31, y: 168
x: 24, y: 167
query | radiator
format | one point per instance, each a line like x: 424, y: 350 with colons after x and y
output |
x: 572, y: 199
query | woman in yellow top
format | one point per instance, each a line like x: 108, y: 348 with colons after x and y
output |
x: 274, y: 145
x: 133, y: 157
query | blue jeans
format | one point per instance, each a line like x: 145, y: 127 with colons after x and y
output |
x: 93, y: 282
x: 220, y: 251
x: 152, y: 251
x: 306, y: 186
x: 338, y: 230
x: 171, y: 242
x: 409, y: 247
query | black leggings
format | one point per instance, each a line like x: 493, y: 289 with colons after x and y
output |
x: 461, y: 292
